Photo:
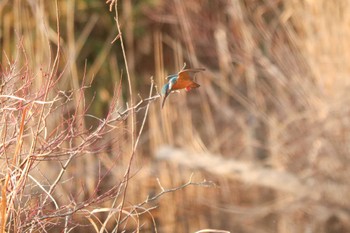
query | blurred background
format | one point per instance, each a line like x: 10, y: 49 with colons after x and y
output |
x: 269, y: 125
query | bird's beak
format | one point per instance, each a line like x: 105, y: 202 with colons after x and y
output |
x: 164, y: 98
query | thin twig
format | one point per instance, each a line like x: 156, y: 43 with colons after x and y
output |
x: 127, y: 173
x: 164, y: 191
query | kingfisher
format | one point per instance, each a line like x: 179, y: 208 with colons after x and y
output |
x: 182, y: 80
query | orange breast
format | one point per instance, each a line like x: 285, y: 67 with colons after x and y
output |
x: 181, y: 84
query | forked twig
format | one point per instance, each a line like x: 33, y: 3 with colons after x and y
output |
x: 164, y: 191
x: 188, y: 183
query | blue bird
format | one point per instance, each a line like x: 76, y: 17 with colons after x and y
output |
x: 182, y: 80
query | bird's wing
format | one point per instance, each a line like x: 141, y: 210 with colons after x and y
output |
x: 188, y: 74
x: 185, y: 79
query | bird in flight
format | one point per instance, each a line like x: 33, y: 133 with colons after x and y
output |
x: 182, y: 80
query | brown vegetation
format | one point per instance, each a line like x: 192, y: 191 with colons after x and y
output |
x: 261, y: 146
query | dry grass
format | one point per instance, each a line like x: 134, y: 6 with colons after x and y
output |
x: 75, y: 157
x: 274, y: 94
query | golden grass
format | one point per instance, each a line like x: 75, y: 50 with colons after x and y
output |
x: 274, y: 94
